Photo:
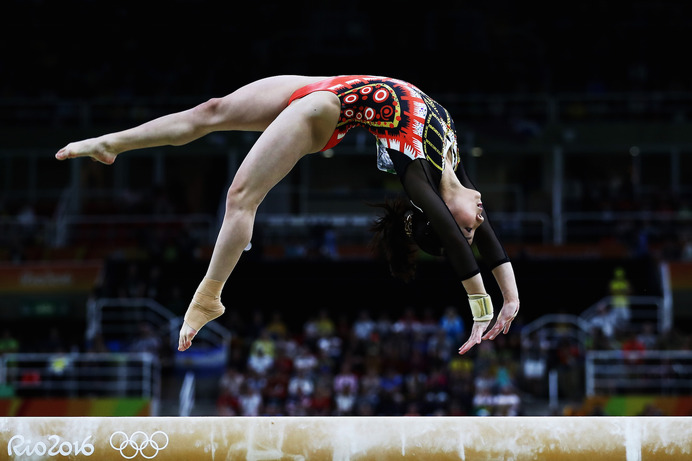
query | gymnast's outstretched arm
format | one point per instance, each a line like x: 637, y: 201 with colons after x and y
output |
x: 419, y: 182
x: 492, y: 251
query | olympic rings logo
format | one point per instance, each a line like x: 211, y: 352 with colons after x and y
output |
x: 139, y: 443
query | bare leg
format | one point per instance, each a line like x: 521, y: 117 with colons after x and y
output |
x: 252, y: 108
x: 303, y: 127
x: 291, y: 132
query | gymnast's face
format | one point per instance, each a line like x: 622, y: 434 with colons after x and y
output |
x: 467, y: 209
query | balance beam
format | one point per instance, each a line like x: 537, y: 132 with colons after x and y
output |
x: 346, y: 438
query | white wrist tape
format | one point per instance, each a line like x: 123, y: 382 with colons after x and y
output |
x: 481, y: 307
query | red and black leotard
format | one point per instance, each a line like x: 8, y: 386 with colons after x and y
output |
x: 399, y: 115
x: 414, y: 133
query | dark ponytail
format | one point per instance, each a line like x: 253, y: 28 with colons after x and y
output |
x: 390, y: 240
x: 400, y: 233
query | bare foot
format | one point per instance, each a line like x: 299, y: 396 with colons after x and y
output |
x: 185, y: 338
x: 88, y: 148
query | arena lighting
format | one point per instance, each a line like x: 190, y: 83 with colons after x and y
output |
x: 346, y: 438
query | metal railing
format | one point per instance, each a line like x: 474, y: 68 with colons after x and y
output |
x: 642, y: 309
x: 638, y: 372
x: 547, y: 333
x: 609, y: 371
x: 82, y: 375
x: 661, y: 105
x: 118, y: 318
x: 553, y: 327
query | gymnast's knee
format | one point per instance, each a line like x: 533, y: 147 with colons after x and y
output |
x: 241, y: 198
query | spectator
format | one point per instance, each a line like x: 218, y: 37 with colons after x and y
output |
x: 28, y: 224
x: 507, y: 402
x: 301, y: 384
x: 230, y: 386
x: 346, y: 377
x: 8, y: 343
x: 283, y: 360
x: 440, y: 347
x: 276, y: 388
x: 299, y: 403
x: 429, y: 323
x: 321, y: 404
x: 633, y: 349
x: 437, y: 393
x: 453, y: 325
x: 408, y: 323
x: 304, y: 361
x: 277, y: 329
x: 383, y: 326
x: 262, y: 351
x: 363, y: 327
x: 620, y: 291
x: 345, y: 400
x: 604, y: 321
x: 249, y: 401
x: 483, y: 402
x: 392, y: 398
x: 324, y: 325
x: 370, y: 387
x: 259, y: 361
x: 231, y: 382
x: 330, y: 346
x: 255, y: 381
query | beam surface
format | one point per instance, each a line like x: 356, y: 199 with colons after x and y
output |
x: 346, y: 438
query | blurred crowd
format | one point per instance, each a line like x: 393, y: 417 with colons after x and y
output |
x: 377, y: 363
x: 370, y: 366
x: 409, y: 365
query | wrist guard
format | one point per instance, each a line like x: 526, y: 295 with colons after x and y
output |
x: 481, y: 307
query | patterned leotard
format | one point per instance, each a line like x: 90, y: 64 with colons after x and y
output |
x: 399, y: 115
x: 410, y: 125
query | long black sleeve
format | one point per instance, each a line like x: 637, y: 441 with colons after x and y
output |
x: 485, y: 238
x: 420, y: 180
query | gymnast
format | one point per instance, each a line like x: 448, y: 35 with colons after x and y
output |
x: 297, y: 115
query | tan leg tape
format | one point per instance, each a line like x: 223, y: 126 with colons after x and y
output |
x: 481, y: 307
x: 206, y: 304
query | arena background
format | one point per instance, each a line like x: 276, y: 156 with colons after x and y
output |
x: 573, y: 120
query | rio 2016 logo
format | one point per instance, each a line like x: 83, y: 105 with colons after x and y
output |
x: 129, y: 446
x: 56, y: 446
x: 139, y: 443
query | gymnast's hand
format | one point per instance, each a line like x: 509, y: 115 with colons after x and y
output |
x: 502, y: 323
x: 476, y: 336
x: 509, y: 311
x: 97, y: 150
